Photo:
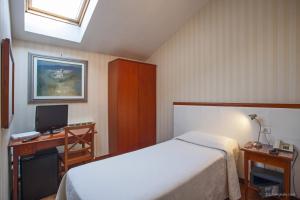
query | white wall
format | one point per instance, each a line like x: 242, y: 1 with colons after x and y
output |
x: 5, y: 32
x: 231, y: 51
x: 95, y: 109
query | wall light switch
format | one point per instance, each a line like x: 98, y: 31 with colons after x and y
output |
x: 266, y: 130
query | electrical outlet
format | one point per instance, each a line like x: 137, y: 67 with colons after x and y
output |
x: 266, y: 130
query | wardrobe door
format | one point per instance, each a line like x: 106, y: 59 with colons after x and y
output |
x: 128, y: 130
x: 112, y: 107
x: 147, y: 104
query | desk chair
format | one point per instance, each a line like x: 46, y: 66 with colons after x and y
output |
x: 78, y: 149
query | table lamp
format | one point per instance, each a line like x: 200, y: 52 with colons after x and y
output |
x: 256, y: 144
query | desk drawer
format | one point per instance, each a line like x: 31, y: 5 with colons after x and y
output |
x: 27, y: 150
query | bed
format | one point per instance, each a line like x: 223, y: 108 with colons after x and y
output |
x: 191, y: 166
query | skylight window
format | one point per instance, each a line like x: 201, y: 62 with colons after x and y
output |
x: 70, y: 11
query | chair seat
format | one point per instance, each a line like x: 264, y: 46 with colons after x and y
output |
x: 77, y: 157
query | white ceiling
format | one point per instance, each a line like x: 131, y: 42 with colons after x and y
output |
x: 125, y: 28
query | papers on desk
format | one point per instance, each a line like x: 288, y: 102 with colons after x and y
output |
x: 26, y: 135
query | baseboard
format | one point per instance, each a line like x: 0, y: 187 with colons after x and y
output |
x: 241, y: 180
x: 103, y: 157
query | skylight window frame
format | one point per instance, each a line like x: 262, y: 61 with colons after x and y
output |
x: 42, y: 13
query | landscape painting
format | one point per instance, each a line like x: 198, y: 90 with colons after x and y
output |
x: 57, y: 79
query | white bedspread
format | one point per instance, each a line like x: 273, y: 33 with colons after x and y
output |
x: 171, y: 170
x: 228, y: 145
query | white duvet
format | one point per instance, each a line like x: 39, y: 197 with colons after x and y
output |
x: 176, y: 169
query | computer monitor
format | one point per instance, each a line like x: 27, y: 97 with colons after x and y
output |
x: 49, y: 118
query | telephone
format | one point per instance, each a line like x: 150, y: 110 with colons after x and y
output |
x: 283, y: 146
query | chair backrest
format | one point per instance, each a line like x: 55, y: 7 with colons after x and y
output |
x: 82, y: 135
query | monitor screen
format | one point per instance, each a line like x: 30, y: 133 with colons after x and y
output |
x: 49, y: 118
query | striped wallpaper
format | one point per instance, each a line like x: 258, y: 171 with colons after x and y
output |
x: 231, y: 51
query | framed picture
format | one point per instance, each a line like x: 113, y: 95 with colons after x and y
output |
x: 7, y: 84
x: 56, y: 80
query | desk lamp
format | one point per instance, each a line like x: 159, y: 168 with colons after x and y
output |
x: 256, y: 144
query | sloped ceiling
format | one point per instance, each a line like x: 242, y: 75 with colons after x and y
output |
x: 126, y: 28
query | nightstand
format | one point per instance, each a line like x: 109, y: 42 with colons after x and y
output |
x: 282, y: 160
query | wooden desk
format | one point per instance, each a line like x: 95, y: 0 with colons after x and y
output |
x: 20, y: 148
x: 282, y: 160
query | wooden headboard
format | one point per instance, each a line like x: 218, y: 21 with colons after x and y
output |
x: 253, y: 105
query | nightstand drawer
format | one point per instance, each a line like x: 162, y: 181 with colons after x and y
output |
x: 259, y: 158
x: 266, y: 159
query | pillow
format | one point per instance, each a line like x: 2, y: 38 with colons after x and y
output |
x: 211, y: 140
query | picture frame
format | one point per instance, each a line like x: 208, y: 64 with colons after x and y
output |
x: 7, y: 84
x: 57, y: 80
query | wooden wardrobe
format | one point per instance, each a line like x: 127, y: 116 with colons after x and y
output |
x: 131, y: 105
